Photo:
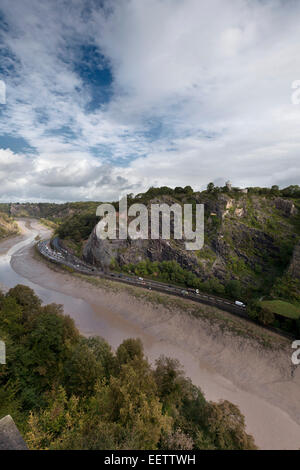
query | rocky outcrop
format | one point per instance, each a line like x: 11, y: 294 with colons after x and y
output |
x: 294, y: 267
x: 42, y: 210
x: 245, y: 239
x: 103, y: 253
x: 285, y: 206
x: 10, y: 438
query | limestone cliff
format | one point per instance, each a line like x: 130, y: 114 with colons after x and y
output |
x: 294, y: 268
x: 249, y: 238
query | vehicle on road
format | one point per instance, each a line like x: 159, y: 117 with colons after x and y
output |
x: 239, y: 303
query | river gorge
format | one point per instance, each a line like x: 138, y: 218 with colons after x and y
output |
x: 224, y: 365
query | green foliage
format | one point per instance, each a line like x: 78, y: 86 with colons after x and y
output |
x: 78, y: 227
x: 172, y: 272
x: 68, y: 392
x: 283, y: 308
x: 8, y: 226
x: 210, y: 187
x: 225, y: 426
x: 233, y: 288
x: 257, y: 312
x: 287, y: 287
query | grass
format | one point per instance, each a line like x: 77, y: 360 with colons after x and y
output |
x: 283, y: 308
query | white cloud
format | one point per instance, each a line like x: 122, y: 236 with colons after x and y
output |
x: 214, y: 77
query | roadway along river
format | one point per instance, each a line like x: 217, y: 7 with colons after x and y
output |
x: 223, y: 366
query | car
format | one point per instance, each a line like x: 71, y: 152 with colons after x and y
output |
x: 197, y: 291
x: 239, y: 303
x: 141, y: 279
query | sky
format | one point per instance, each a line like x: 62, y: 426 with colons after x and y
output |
x: 105, y: 98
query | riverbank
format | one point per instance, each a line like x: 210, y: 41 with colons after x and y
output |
x: 8, y: 242
x: 219, y: 353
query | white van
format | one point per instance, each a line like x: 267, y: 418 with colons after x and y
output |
x: 239, y: 303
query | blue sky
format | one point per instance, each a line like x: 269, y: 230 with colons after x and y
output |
x: 110, y: 97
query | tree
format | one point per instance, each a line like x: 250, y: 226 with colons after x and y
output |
x: 226, y: 427
x: 178, y: 189
x: 11, y: 315
x: 275, y: 190
x: 49, y: 342
x: 188, y: 190
x: 82, y: 370
x: 135, y: 405
x: 129, y: 350
x: 210, y: 187
x: 233, y: 288
x: 169, y: 378
x: 177, y: 440
x: 103, y: 353
x: 26, y: 298
x: 266, y: 317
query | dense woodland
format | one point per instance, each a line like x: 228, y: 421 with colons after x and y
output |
x: 65, y: 391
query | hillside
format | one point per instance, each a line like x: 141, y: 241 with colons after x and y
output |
x: 8, y: 226
x: 251, y: 240
x: 251, y: 248
x: 248, y: 239
x: 47, y: 210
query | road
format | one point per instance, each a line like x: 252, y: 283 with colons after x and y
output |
x: 55, y: 252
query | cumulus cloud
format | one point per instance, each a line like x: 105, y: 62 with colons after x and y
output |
x: 200, y: 91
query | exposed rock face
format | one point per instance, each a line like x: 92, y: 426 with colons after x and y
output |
x: 242, y: 240
x: 287, y: 207
x: 294, y: 268
x: 10, y: 438
x: 39, y: 210
x: 18, y: 210
x: 103, y: 252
